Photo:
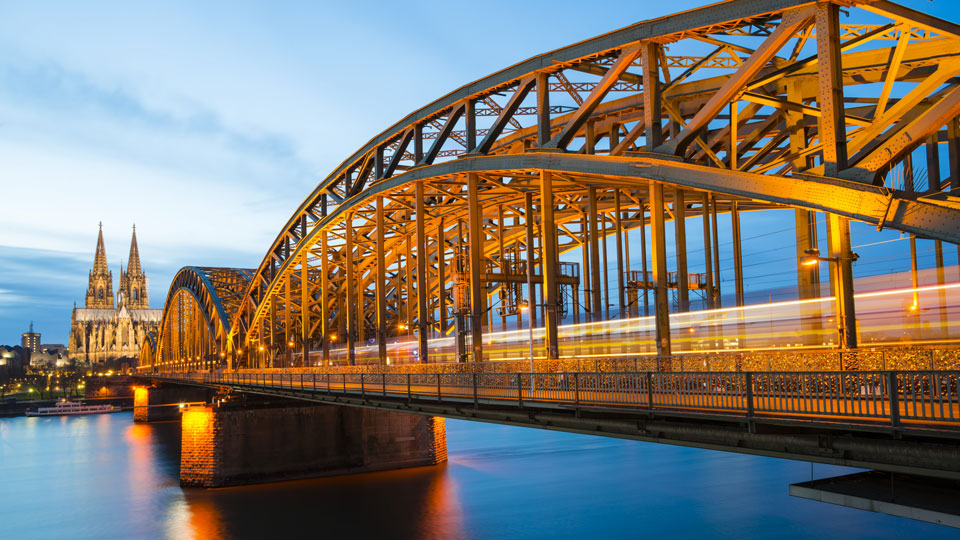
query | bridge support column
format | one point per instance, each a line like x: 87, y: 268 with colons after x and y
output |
x: 222, y: 446
x: 348, y: 304
x: 808, y: 277
x: 643, y: 257
x: 441, y: 275
x: 680, y: 232
x: 659, y: 249
x: 423, y: 314
x: 381, y: 286
x: 548, y: 265
x: 324, y: 300
x: 839, y: 240
x: 605, y: 266
x: 596, y: 302
x: 941, y: 294
x: 707, y: 254
x: 717, y: 290
x: 530, y: 254
x: 305, y: 308
x: 162, y: 402
x: 914, y: 274
x: 585, y: 255
x: 737, y: 253
x: 618, y: 228
x: 476, y: 237
x: 832, y: 129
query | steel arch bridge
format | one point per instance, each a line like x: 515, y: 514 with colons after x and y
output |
x: 458, y: 213
x: 197, y: 314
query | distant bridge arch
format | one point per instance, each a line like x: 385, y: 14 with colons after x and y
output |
x: 197, y: 314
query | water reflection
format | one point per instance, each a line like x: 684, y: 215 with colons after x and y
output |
x: 105, y: 477
x: 408, y: 503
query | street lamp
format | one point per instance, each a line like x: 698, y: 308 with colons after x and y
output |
x: 812, y: 257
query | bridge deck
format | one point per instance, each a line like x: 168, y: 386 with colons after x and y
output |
x: 795, y: 415
x: 923, y: 399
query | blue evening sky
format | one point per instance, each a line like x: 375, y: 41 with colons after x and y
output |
x: 207, y: 123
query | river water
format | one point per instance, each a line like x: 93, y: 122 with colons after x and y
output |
x: 104, y: 477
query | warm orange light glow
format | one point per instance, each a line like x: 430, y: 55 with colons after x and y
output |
x: 260, y: 348
x: 810, y: 262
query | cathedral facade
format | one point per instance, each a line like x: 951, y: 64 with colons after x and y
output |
x: 108, y: 327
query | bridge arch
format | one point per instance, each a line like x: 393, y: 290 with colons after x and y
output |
x: 196, y: 319
x: 148, y: 350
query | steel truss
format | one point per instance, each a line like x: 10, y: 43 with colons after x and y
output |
x: 772, y: 104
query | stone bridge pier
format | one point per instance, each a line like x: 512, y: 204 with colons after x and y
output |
x: 234, y: 443
x: 160, y: 402
x: 247, y: 439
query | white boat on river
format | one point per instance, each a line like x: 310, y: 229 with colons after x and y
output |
x: 70, y: 408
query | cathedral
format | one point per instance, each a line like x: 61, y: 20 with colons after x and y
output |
x: 104, y: 328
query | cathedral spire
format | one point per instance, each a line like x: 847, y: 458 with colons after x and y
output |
x: 100, y: 286
x: 100, y: 259
x: 133, y: 264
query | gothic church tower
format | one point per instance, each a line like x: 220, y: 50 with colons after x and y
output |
x: 100, y: 331
x: 100, y: 288
x: 133, y: 282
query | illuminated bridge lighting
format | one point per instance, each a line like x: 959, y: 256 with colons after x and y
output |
x: 543, y: 198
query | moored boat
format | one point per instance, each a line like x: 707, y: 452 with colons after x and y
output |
x: 70, y: 408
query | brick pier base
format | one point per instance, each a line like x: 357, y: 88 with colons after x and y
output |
x: 243, y: 445
x: 162, y: 402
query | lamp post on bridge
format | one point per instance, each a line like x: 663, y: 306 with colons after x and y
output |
x: 843, y: 292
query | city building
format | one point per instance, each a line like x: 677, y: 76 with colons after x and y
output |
x: 109, y: 327
x: 30, y: 340
x: 12, y: 361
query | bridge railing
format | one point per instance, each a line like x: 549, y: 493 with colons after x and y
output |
x: 924, y: 399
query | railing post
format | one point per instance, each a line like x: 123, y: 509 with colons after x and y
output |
x: 438, y: 386
x: 475, y: 401
x: 519, y: 392
x: 383, y: 383
x: 893, y: 393
x: 408, y: 389
x: 649, y: 390
x: 576, y: 389
x: 301, y: 382
x: 314, y: 385
x: 363, y: 391
x: 748, y: 382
